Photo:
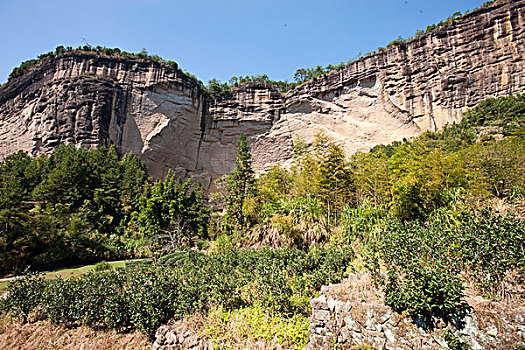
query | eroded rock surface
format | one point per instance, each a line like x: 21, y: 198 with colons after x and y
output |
x: 163, y: 116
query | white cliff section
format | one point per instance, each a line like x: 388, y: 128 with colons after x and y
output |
x: 354, y: 116
x: 163, y: 125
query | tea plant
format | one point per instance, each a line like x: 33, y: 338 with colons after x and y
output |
x: 143, y: 297
x: 424, y: 260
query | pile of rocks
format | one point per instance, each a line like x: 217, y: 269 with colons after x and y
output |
x: 178, y: 337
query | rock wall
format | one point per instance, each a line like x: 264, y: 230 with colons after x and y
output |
x: 163, y: 116
x: 91, y: 100
x: 347, y: 314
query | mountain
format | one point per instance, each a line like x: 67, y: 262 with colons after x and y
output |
x: 163, y: 115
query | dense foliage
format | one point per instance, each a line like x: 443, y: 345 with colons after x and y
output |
x: 425, y: 261
x: 81, y: 205
x: 172, y: 213
x: 410, y: 206
x: 424, y: 225
x: 144, y: 297
x: 406, y: 180
x: 287, y: 207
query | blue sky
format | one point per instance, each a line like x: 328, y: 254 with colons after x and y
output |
x: 218, y: 39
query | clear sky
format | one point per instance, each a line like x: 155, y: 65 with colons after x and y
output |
x: 218, y: 38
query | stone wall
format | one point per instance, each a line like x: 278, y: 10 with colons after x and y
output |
x: 349, y: 314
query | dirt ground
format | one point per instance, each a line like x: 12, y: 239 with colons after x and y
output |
x: 42, y: 335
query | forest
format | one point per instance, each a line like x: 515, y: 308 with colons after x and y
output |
x: 424, y: 216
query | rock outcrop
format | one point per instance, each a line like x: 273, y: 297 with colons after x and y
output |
x: 347, y: 314
x: 162, y: 115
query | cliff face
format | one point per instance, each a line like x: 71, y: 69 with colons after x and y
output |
x: 431, y: 79
x: 139, y: 106
x: 162, y: 115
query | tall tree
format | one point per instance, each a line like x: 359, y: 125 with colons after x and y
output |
x: 240, y: 185
x: 335, y: 183
x: 173, y: 205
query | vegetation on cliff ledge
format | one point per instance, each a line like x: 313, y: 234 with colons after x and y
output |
x: 99, y: 50
x: 221, y: 90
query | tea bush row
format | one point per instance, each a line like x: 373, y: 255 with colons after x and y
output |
x: 425, y: 260
x: 144, y: 297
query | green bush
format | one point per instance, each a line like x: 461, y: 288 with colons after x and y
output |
x: 490, y: 246
x: 426, y: 292
x: 102, y: 266
x: 422, y: 278
x: 25, y: 295
x: 281, y: 281
x: 424, y: 260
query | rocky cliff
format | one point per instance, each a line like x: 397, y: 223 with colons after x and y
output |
x: 93, y: 100
x: 159, y: 113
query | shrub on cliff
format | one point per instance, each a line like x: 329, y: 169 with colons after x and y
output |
x: 218, y: 90
x: 99, y: 50
x: 506, y: 111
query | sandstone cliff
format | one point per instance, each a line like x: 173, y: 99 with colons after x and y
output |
x: 164, y: 116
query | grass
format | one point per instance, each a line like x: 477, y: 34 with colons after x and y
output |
x: 67, y: 273
x: 44, y: 335
x: 255, y: 328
